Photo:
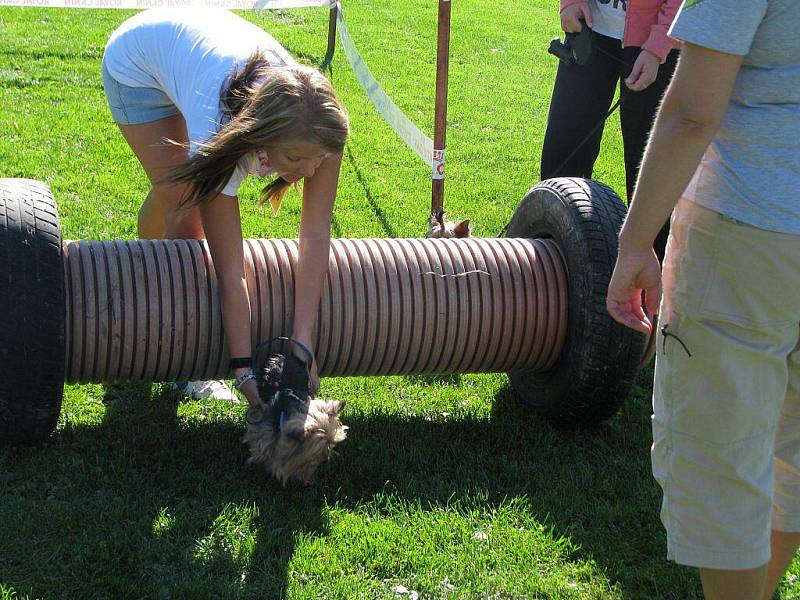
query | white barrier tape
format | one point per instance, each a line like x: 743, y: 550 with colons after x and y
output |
x: 141, y: 4
x: 405, y: 128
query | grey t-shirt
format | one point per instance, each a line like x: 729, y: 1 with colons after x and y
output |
x: 751, y: 170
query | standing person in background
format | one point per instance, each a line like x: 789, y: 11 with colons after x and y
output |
x: 632, y: 49
x: 726, y: 400
x: 203, y: 98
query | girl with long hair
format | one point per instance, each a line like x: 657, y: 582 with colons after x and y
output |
x: 203, y: 98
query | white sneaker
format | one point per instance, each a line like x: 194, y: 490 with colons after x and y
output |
x: 204, y: 390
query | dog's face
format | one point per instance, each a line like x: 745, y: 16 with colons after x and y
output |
x: 291, y: 434
x: 305, y: 441
x: 439, y: 227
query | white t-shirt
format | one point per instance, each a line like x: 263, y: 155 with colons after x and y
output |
x: 188, y: 54
x: 609, y: 17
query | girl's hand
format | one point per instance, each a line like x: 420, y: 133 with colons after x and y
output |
x: 634, y: 274
x: 644, y: 72
x: 572, y: 15
x: 313, y: 373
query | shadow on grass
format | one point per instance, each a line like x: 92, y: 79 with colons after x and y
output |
x: 152, y: 501
x: 379, y: 212
x: 314, y: 60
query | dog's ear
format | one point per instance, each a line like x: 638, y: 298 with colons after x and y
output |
x: 334, y: 406
x: 462, y: 229
x: 269, y: 377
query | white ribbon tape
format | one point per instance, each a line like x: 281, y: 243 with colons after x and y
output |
x: 420, y: 143
x: 141, y: 4
x: 410, y: 133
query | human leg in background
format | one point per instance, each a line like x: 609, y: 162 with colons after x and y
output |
x: 161, y: 215
x: 156, y: 132
x: 582, y: 95
x: 637, y: 114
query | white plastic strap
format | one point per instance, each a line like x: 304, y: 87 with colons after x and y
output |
x: 141, y: 4
x: 403, y: 126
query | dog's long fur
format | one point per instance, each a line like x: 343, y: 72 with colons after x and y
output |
x: 291, y: 447
x: 440, y: 227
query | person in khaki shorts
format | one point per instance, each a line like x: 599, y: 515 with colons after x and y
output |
x: 725, y: 153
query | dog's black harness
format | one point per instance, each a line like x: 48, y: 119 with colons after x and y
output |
x: 288, y: 395
x: 267, y: 344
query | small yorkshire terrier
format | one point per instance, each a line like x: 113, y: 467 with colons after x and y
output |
x: 291, y: 433
x: 439, y: 227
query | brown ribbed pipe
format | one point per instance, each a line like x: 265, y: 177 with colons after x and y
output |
x: 148, y: 310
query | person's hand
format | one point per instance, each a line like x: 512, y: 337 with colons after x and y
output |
x: 635, y: 273
x: 302, y: 355
x: 572, y: 15
x: 644, y: 72
x: 313, y: 372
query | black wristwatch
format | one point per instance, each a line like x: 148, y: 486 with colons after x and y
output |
x: 240, y: 362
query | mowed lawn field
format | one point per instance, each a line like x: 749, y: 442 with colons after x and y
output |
x: 446, y: 487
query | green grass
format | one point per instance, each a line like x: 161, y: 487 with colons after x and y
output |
x: 446, y: 486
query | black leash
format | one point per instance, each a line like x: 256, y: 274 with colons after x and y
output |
x: 577, y: 49
x: 600, y: 124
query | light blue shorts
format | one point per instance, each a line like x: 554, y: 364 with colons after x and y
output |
x: 136, y: 105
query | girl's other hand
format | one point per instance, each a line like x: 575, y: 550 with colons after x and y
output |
x: 313, y: 373
x: 635, y: 274
x: 644, y: 72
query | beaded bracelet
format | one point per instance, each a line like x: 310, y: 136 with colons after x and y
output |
x: 243, y: 378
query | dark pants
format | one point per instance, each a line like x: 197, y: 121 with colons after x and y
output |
x: 582, y: 96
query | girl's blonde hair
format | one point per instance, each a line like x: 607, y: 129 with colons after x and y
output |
x: 264, y: 106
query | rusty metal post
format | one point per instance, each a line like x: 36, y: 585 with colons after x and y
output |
x: 331, y: 35
x: 440, y: 118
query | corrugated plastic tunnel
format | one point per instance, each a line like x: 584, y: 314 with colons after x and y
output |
x: 531, y: 304
x: 149, y: 310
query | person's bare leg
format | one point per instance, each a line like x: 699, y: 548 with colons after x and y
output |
x: 720, y: 584
x: 151, y: 223
x: 161, y: 215
x: 784, y: 545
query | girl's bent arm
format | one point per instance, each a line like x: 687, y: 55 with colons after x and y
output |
x: 691, y: 112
